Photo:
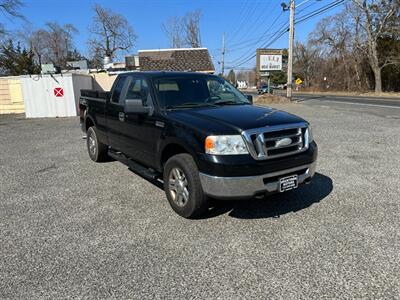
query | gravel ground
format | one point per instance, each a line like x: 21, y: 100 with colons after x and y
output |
x: 72, y: 228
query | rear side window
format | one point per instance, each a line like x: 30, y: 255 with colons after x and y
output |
x: 167, y: 85
x: 116, y: 95
x: 138, y: 89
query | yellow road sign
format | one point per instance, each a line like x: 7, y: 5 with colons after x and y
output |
x: 299, y: 81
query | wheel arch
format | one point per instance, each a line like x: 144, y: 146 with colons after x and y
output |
x: 89, y: 122
x: 173, y: 148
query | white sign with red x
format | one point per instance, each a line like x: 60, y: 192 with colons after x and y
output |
x: 58, y: 92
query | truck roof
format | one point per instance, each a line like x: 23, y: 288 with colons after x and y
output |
x: 154, y: 74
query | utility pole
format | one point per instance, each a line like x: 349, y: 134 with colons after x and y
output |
x: 223, y: 55
x: 292, y: 7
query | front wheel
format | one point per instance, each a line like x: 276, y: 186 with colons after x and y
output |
x: 183, y: 187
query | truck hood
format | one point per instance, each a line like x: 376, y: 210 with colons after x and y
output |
x: 236, y: 117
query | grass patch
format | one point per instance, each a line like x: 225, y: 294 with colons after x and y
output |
x: 268, y: 99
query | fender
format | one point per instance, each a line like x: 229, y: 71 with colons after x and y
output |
x: 100, y: 134
x: 173, y: 140
x: 86, y: 117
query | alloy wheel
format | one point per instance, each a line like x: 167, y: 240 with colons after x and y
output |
x: 92, y: 145
x: 178, y: 187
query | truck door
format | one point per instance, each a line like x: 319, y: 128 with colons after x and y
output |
x: 115, y: 113
x: 138, y: 131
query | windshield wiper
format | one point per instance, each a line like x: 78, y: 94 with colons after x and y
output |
x: 229, y: 102
x: 189, y: 104
x: 196, y: 104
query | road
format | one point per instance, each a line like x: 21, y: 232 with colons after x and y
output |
x: 72, y: 228
x: 347, y: 100
x: 351, y: 100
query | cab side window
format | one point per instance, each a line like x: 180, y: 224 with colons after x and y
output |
x: 139, y: 89
x: 116, y: 95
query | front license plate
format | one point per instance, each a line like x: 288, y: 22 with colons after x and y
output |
x: 288, y: 183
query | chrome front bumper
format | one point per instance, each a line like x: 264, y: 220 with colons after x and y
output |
x: 248, y: 186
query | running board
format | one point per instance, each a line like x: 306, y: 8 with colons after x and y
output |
x: 134, y: 166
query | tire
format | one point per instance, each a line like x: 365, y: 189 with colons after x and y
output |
x: 178, y: 170
x: 97, y: 150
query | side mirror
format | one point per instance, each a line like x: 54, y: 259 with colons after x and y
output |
x: 136, y: 106
x: 250, y: 98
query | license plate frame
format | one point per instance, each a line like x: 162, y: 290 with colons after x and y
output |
x: 288, y: 183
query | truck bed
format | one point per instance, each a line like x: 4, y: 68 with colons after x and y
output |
x: 92, y: 98
x: 94, y: 94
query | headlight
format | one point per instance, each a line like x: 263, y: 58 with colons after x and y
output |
x: 225, y: 145
x: 309, y: 138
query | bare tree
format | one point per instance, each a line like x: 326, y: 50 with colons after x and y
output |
x: 38, y: 44
x: 358, y: 46
x: 60, y: 43
x: 334, y: 34
x: 10, y: 8
x: 110, y: 33
x: 306, y: 61
x: 173, y: 28
x: 184, y: 31
x: 51, y: 44
x: 191, y: 23
x: 374, y: 18
x: 355, y: 49
x: 96, y: 58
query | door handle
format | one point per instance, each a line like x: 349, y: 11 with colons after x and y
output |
x: 160, y: 124
x: 121, y: 116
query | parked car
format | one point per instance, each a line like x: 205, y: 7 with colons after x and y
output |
x: 265, y: 89
x: 199, y: 135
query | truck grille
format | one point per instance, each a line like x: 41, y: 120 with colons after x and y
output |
x: 277, y: 141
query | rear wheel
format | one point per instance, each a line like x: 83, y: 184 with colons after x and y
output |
x: 97, y: 150
x: 183, y: 187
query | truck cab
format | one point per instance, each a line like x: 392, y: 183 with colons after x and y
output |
x: 199, y: 135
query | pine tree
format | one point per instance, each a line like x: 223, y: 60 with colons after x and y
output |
x: 7, y: 58
x: 16, y: 61
x: 75, y: 56
x: 27, y: 64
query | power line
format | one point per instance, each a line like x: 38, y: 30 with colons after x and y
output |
x: 264, y: 33
x: 279, y: 35
x: 284, y: 28
x: 253, y: 24
x: 262, y: 38
x: 246, y: 15
x: 282, y: 31
x: 241, y: 9
x: 305, y: 1
x: 254, y: 41
x: 319, y: 11
x: 307, y: 6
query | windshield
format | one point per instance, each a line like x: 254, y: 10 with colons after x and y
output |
x: 194, y: 91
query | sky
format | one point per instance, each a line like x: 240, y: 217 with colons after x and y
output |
x: 247, y: 24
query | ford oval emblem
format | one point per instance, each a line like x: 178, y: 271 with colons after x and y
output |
x: 283, y: 142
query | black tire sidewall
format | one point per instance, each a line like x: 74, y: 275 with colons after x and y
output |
x: 101, y: 154
x: 197, y: 202
x: 92, y: 133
